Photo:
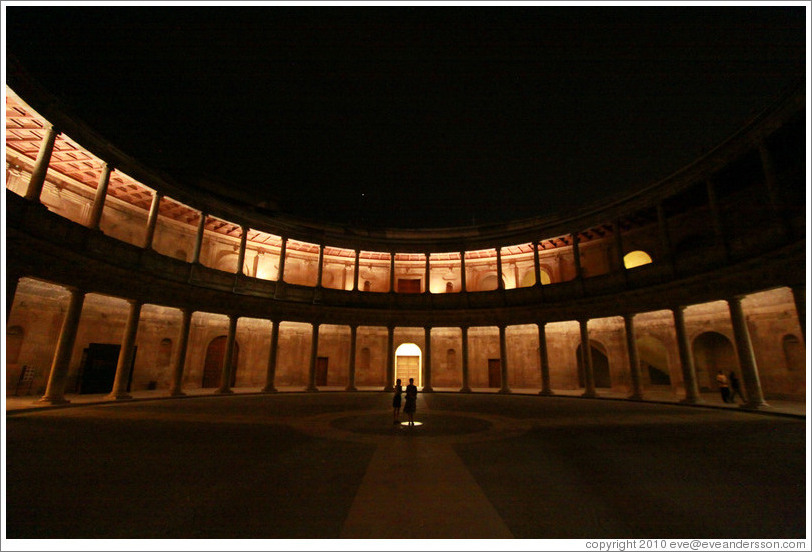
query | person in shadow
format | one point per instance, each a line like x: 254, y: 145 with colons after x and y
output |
x: 411, y: 401
x: 735, y: 388
x: 396, y: 402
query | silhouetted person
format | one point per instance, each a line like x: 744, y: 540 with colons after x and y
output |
x: 396, y: 402
x: 735, y: 389
x: 411, y: 401
x: 721, y: 379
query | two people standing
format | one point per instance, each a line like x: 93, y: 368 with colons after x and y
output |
x: 411, y: 401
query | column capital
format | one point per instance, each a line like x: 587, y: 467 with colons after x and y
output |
x: 74, y: 290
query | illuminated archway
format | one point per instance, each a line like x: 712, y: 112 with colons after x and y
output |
x: 408, y: 364
x: 637, y: 258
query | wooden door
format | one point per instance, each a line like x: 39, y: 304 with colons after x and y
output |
x: 321, y: 371
x: 213, y: 365
x: 494, y: 372
x: 408, y: 286
x: 408, y: 367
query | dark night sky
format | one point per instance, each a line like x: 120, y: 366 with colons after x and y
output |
x: 414, y: 116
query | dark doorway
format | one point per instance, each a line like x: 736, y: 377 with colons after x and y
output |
x: 408, y: 286
x: 600, y: 368
x: 321, y: 371
x: 494, y: 372
x: 99, y: 368
x: 213, y: 366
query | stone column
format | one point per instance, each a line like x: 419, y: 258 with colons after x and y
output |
x: 463, y: 285
x: 747, y: 359
x: 586, y: 360
x: 152, y: 220
x: 665, y: 237
x: 283, y: 252
x: 686, y: 358
x: 241, y: 253
x: 546, y: 390
x: 125, y: 357
x: 175, y: 389
x: 320, y: 272
x: 427, y: 276
x: 500, y: 283
x: 799, y: 294
x: 427, y: 361
x: 465, y: 384
x: 576, y: 256
x: 314, y: 353
x: 618, y: 234
x: 634, y: 361
x: 357, y: 270
x: 390, y: 360
x: 228, y: 358
x: 99, y: 198
x: 392, y: 276
x: 57, y: 379
x: 11, y: 291
x: 270, y: 372
x: 716, y: 219
x: 503, y: 359
x: 201, y: 226
x: 536, y: 262
x: 353, y: 344
x: 37, y: 180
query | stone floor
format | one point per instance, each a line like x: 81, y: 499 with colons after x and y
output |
x: 333, y: 465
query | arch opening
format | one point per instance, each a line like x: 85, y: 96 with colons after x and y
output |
x: 408, y: 364
x: 633, y: 259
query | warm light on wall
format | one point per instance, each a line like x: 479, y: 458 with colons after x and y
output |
x: 636, y: 258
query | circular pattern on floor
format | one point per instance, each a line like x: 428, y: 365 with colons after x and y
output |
x: 432, y: 425
x: 378, y: 427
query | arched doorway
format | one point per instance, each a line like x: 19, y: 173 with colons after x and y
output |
x: 213, y: 366
x: 529, y: 278
x: 712, y: 352
x: 408, y: 364
x: 600, y: 366
x: 490, y: 283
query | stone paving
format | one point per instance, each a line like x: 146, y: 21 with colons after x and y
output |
x: 333, y: 465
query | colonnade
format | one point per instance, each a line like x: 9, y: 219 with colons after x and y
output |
x: 771, y: 196
x: 55, y: 391
x: 57, y: 380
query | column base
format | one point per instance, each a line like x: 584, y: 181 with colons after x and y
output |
x: 52, y: 400
x: 120, y: 396
x: 225, y: 391
x: 312, y: 389
x: 270, y: 390
x: 589, y: 394
x: 504, y: 391
x: 546, y: 393
x: 351, y: 388
x: 635, y: 397
x: 428, y: 390
x: 688, y: 400
x: 465, y: 390
x: 177, y: 394
x: 753, y: 405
